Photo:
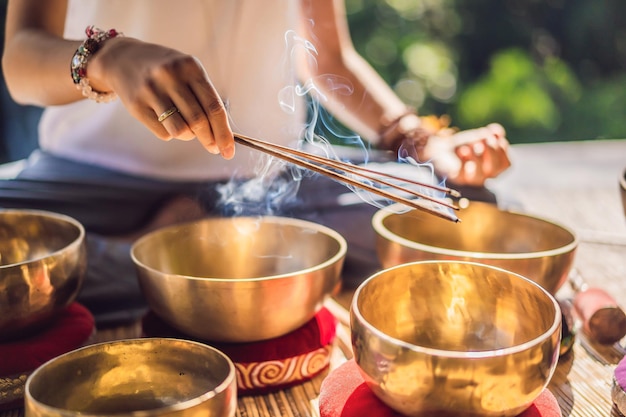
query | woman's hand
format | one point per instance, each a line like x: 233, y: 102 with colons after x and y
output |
x: 469, y: 157
x: 152, y: 81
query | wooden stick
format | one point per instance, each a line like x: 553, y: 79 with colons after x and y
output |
x: 364, y: 173
x: 346, y: 166
x: 287, y: 154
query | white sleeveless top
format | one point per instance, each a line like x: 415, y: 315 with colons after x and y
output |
x: 244, y: 46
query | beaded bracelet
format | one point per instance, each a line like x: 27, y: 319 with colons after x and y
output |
x: 405, y: 129
x: 412, y: 131
x: 78, y: 68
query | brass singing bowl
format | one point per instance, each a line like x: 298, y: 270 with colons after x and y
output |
x: 43, y: 260
x: 533, y: 247
x: 448, y: 338
x: 239, y: 279
x: 135, y: 377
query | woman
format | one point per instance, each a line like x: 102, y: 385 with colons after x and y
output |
x: 179, y: 78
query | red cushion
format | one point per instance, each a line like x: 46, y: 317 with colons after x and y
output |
x: 19, y: 358
x: 74, y: 325
x: 274, y: 364
x: 344, y: 393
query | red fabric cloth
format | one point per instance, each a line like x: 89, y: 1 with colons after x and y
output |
x: 270, y: 365
x: 73, y: 326
x: 317, y: 332
x: 344, y: 393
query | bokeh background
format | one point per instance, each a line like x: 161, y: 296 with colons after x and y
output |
x: 548, y: 70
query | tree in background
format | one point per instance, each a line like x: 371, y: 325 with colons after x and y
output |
x: 546, y: 69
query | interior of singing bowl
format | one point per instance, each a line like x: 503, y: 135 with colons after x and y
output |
x: 42, y: 266
x: 456, y: 307
x: 251, y: 278
x: 154, y: 376
x: 30, y: 235
x: 450, y: 338
x: 536, y: 248
x: 239, y: 248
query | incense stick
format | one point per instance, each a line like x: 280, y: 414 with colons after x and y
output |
x: 328, y: 167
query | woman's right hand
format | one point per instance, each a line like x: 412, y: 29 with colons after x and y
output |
x: 151, y: 79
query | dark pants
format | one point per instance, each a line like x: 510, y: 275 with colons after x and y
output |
x: 110, y: 204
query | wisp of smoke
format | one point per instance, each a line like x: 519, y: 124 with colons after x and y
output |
x: 276, y: 183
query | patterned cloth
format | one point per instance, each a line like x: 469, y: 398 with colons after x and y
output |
x: 274, y: 364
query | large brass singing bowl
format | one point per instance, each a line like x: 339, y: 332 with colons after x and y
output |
x: 135, y: 377
x: 533, y: 247
x: 454, y: 338
x: 239, y: 279
x: 42, y: 266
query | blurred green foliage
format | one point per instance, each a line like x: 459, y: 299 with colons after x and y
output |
x: 548, y: 70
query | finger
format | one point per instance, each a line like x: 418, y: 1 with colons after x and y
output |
x: 191, y: 121
x: 483, y: 153
x: 215, y: 110
x: 476, y: 150
x: 196, y: 121
x: 148, y: 116
x: 494, y: 159
x: 497, y: 153
x: 174, y: 122
x: 499, y: 156
x: 220, y: 126
x: 162, y: 116
x: 470, y: 136
x: 489, y: 162
x: 472, y: 174
x: 479, y: 148
x: 497, y: 129
x: 471, y: 170
x: 464, y: 152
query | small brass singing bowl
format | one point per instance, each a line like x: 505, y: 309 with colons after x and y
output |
x: 43, y: 260
x: 134, y: 377
x: 534, y: 247
x: 239, y: 279
x: 447, y: 338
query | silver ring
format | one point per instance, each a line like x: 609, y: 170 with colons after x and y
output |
x: 167, y: 113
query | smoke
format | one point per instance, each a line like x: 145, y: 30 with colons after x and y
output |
x: 276, y: 182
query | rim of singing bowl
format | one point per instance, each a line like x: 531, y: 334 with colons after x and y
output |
x: 46, y: 409
x: 287, y: 221
x: 379, y: 226
x: 50, y: 215
x: 556, y: 321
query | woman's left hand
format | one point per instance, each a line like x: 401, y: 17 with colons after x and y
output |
x: 469, y: 157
